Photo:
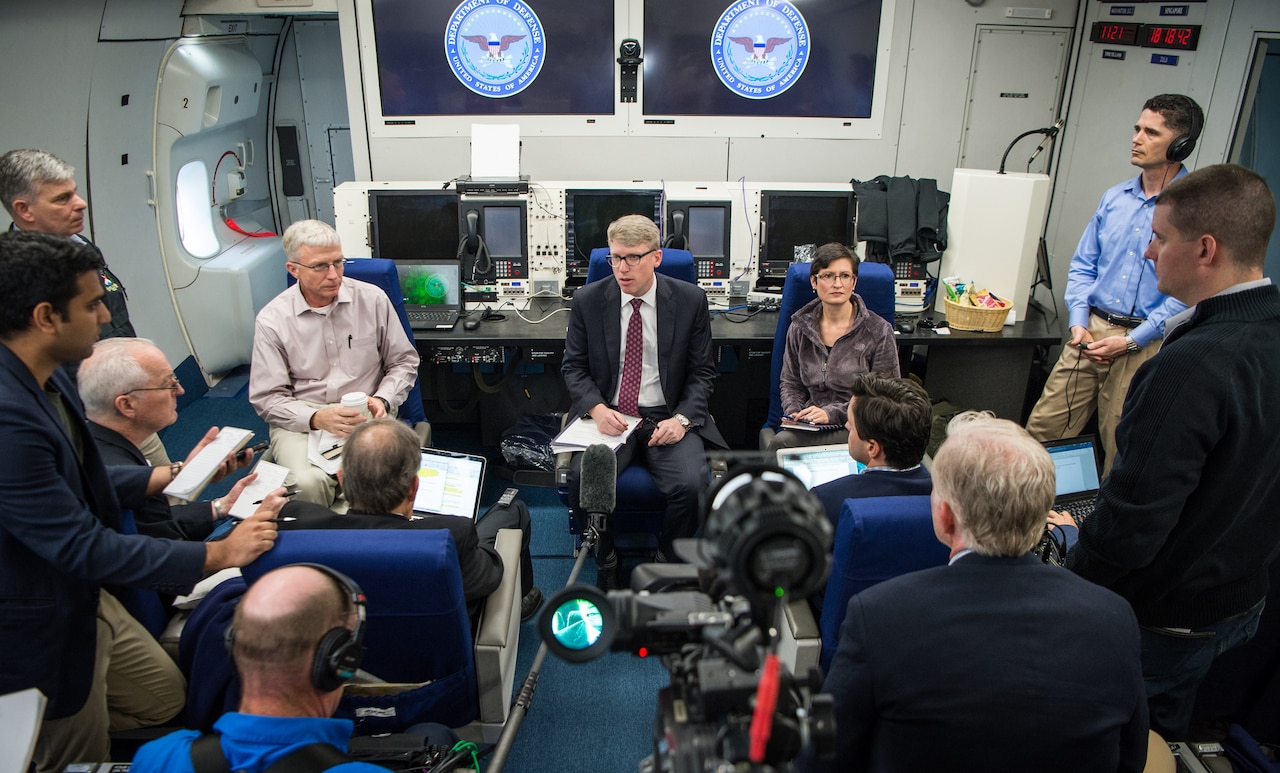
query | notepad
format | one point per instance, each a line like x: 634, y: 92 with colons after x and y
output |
x: 270, y: 477
x: 197, y: 473
x: 582, y: 432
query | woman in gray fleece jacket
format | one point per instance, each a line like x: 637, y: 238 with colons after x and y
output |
x: 831, y: 339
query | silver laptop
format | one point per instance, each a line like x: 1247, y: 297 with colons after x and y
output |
x: 432, y: 292
x: 815, y: 465
x: 449, y: 483
x: 1078, y: 471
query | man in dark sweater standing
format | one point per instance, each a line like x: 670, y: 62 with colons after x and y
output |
x: 1186, y: 524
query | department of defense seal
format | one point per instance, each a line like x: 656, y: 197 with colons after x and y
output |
x: 496, y: 48
x: 759, y: 48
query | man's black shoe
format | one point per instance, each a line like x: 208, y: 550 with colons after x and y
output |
x: 530, y: 604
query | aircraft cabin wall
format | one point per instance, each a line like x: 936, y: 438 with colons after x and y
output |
x: 74, y: 104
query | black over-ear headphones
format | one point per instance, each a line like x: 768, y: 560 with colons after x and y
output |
x: 1182, y: 146
x: 341, y: 649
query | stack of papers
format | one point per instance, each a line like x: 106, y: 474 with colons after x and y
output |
x: 582, y: 432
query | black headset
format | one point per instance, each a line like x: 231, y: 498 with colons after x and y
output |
x: 341, y: 649
x: 1182, y: 146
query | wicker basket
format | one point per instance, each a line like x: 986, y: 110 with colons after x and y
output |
x: 975, y: 317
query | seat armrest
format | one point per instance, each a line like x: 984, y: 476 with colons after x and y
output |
x: 799, y: 641
x: 498, y: 634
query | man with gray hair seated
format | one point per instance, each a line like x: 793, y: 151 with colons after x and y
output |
x: 995, y: 661
x: 379, y: 475
x: 296, y: 638
x: 322, y: 338
x: 130, y: 393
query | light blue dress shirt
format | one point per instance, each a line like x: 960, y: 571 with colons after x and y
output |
x: 1108, y: 269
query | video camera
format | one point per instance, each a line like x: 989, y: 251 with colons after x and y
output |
x: 767, y: 541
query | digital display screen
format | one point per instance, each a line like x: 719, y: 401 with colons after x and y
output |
x: 566, y: 69
x: 414, y: 224
x: 1119, y: 33
x: 1182, y: 38
x: 815, y: 58
x: 706, y: 231
x: 429, y: 285
x: 503, y: 235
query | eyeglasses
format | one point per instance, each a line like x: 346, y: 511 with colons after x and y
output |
x: 323, y: 268
x: 631, y: 260
x: 831, y: 276
x: 173, y: 386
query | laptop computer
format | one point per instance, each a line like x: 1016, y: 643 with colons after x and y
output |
x: 1079, y: 473
x: 449, y: 483
x: 815, y: 465
x: 432, y: 292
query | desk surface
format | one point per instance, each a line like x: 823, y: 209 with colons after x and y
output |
x: 546, y: 321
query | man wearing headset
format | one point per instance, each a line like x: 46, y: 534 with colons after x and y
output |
x: 1115, y: 312
x: 296, y: 638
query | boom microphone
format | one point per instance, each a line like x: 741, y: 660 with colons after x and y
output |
x: 598, y: 491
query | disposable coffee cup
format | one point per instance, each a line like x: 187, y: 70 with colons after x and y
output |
x: 359, y: 401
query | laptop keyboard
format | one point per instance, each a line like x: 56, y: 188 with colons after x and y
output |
x: 1080, y: 510
x: 440, y: 317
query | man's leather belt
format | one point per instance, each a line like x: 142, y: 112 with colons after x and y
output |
x: 1119, y: 320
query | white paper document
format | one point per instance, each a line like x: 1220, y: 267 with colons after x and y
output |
x: 495, y: 151
x: 197, y: 473
x: 324, y: 450
x: 582, y: 432
x: 20, y: 716
x: 270, y: 477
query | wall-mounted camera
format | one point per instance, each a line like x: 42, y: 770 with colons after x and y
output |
x: 630, y: 59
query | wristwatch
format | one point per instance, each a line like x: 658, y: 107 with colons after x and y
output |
x: 174, y: 469
x: 1130, y: 345
x: 684, y: 420
x: 386, y: 406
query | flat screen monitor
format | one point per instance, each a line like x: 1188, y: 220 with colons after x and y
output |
x: 702, y: 227
x: 794, y: 223
x: 588, y: 214
x: 815, y: 58
x: 414, y: 224
x: 443, y: 58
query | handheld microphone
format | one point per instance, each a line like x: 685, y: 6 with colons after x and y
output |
x: 598, y: 489
x: 1049, y: 134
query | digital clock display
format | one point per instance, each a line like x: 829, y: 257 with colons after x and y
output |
x: 1119, y: 33
x: 1181, y: 37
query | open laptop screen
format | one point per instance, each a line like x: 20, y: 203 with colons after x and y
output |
x: 430, y: 283
x: 815, y: 465
x: 1076, y: 463
x: 449, y: 483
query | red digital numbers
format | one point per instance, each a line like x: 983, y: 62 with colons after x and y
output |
x: 1184, y: 38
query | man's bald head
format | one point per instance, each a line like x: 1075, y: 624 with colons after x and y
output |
x: 282, y: 618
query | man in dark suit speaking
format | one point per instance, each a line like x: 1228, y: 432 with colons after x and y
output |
x: 996, y: 662
x: 640, y: 346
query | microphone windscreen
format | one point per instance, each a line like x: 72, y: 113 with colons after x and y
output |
x: 598, y: 490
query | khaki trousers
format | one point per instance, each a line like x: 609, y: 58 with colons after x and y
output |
x: 135, y: 684
x: 1078, y: 387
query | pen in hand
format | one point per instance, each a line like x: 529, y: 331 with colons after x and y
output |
x: 285, y: 494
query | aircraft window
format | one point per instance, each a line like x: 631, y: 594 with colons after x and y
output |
x: 195, y: 221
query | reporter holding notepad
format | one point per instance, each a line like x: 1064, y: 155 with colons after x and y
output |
x: 831, y: 339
